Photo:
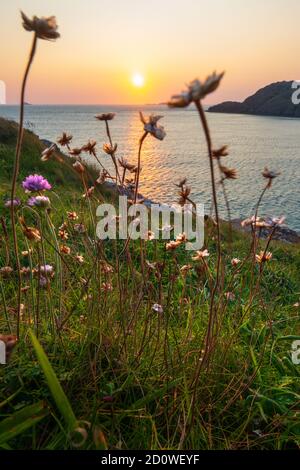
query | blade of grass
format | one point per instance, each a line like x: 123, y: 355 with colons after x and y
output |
x: 57, y: 392
x: 21, y: 420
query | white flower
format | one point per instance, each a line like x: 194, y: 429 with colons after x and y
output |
x: 196, y: 91
x: 152, y: 127
x: 157, y: 308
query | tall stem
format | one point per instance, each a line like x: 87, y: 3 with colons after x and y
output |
x: 139, y: 166
x: 15, y: 176
x: 214, y: 192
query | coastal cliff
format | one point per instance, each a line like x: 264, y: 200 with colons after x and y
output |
x: 272, y: 100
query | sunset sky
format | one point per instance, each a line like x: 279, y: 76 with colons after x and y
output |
x: 161, y: 43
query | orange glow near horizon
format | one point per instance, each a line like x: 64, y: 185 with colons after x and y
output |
x: 117, y: 52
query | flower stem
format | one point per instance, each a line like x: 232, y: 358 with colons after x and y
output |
x: 15, y: 176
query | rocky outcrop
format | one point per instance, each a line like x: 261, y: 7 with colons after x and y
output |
x: 282, y: 233
x: 272, y: 100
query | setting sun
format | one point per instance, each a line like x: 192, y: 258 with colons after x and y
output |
x: 138, y: 80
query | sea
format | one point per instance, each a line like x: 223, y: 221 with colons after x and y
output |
x: 254, y: 142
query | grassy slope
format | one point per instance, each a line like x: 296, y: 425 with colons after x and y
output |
x: 151, y: 392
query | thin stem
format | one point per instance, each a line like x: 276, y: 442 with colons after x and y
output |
x: 214, y: 192
x: 15, y: 177
x: 139, y: 166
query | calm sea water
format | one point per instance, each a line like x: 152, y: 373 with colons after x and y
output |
x: 254, y: 142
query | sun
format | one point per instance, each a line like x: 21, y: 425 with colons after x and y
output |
x: 138, y: 80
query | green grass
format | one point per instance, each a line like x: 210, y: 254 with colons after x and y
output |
x: 109, y: 372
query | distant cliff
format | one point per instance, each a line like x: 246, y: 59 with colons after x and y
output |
x: 272, y: 100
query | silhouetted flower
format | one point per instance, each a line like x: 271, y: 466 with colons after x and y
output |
x: 263, y: 257
x: 151, y: 126
x: 48, y: 152
x: 221, y: 152
x: 110, y: 149
x: 270, y: 175
x: 196, y: 91
x: 35, y: 183
x: 44, y: 28
x: 105, y: 116
x: 65, y: 139
x: 229, y: 173
x: 90, y: 147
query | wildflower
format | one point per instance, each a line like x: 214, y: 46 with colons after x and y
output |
x: 10, y: 341
x: 125, y: 164
x: 157, y: 308
x: 63, y: 234
x: 184, y: 195
x: 254, y: 221
x: 48, y: 152
x: 105, y: 116
x: 152, y: 127
x: 26, y: 252
x: 235, y: 261
x: 185, y: 269
x: 200, y: 255
x: 5, y: 271
x: 229, y: 173
x: 46, y: 269
x: 172, y: 245
x: 150, y: 235
x: 270, y: 175
x: 106, y: 286
x: 32, y: 233
x: 110, y: 149
x: 263, y: 257
x: 106, y: 268
x: 150, y: 265
x: 196, y: 91
x: 90, y: 147
x: 63, y: 226
x: 182, y: 183
x: 75, y: 152
x: 44, y: 28
x: 79, y: 258
x: 35, y: 183
x: 65, y: 249
x: 72, y: 215
x: 181, y: 238
x: 89, y: 192
x: 102, y: 177
x: 39, y: 201
x: 64, y: 139
x: 221, y: 152
x: 15, y: 202
x: 274, y: 221
x: 80, y: 228
x: 230, y: 296
x: 297, y: 305
x: 25, y: 271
